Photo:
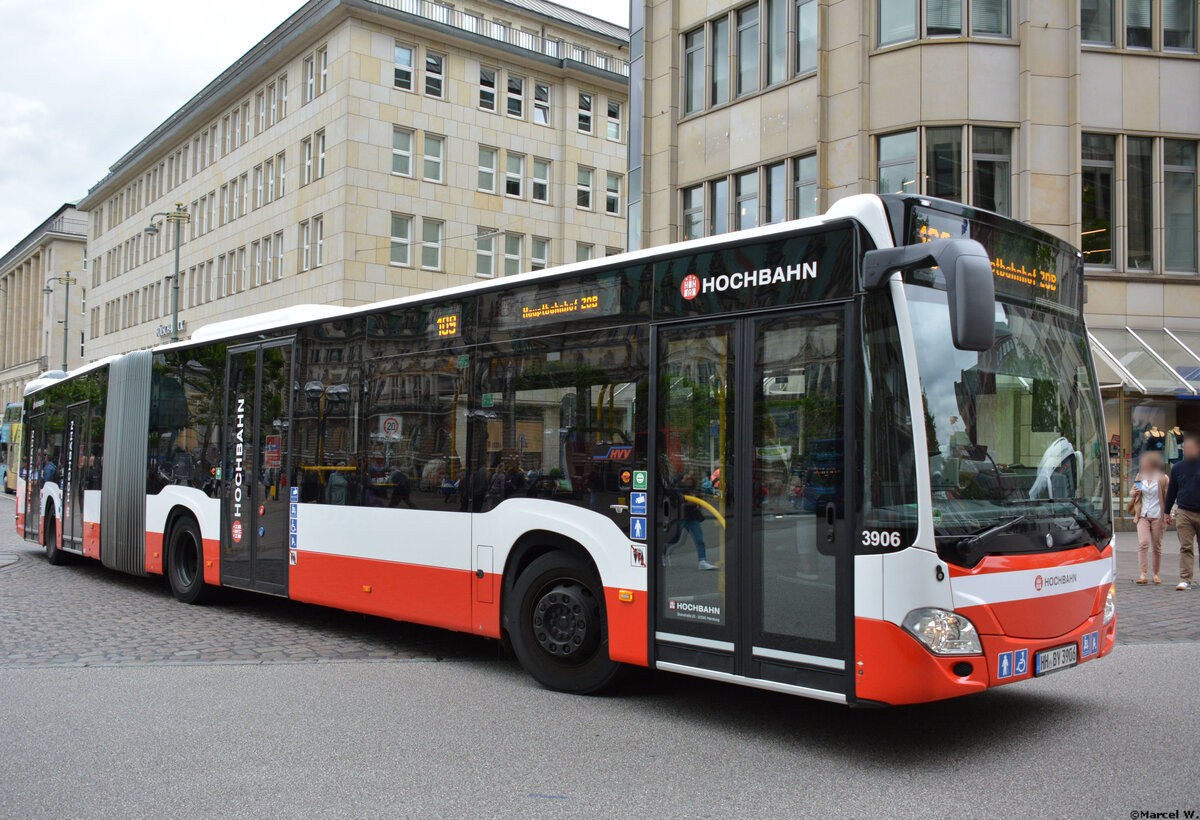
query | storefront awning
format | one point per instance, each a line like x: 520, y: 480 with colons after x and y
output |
x: 1151, y: 362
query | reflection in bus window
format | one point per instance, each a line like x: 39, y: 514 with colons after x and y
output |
x: 186, y: 392
x: 559, y: 419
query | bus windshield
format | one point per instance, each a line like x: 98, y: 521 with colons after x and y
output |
x: 1015, y: 453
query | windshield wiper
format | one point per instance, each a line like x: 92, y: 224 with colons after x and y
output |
x: 1094, y: 523
x: 967, y: 544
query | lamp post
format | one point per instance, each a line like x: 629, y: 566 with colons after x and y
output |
x: 67, y: 281
x: 179, y: 216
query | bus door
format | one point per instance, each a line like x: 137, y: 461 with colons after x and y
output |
x: 34, y: 462
x: 73, y: 467
x: 751, y: 544
x: 255, y: 494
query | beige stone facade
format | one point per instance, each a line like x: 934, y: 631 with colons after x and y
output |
x: 365, y: 151
x: 31, y: 336
x: 1077, y: 116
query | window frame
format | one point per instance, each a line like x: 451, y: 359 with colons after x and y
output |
x: 511, y: 96
x: 586, y: 113
x: 481, y: 170
x: 398, y: 241
x: 483, y: 92
x: 438, y: 77
x: 398, y: 130
x: 541, y: 107
x: 398, y: 68
x: 535, y: 181
x: 436, y: 244
x: 585, y: 189
x: 612, y: 195
x: 439, y: 160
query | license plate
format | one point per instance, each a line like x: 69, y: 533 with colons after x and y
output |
x: 1061, y: 657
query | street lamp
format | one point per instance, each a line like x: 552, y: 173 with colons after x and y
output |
x: 178, y: 217
x: 67, y: 281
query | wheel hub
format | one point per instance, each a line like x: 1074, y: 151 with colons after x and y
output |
x: 564, y: 621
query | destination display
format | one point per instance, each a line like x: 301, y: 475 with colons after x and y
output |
x: 596, y: 297
x: 1025, y: 269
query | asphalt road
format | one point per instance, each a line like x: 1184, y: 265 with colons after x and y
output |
x: 115, y: 701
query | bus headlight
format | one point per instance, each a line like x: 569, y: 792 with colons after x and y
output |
x: 1110, y: 603
x: 943, y: 632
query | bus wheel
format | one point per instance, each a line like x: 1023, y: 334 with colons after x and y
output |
x: 555, y: 620
x: 50, y: 530
x: 185, y: 561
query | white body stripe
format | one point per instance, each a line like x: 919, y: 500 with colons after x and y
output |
x: 206, y: 510
x: 1021, y: 585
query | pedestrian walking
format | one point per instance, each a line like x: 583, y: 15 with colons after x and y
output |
x: 1146, y: 505
x: 1184, y: 489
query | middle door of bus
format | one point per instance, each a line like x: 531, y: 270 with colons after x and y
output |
x: 255, y: 491
x: 73, y: 467
x: 751, y: 545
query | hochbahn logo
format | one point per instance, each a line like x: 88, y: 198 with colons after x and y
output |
x: 239, y: 477
x: 692, y: 285
x: 1040, y: 582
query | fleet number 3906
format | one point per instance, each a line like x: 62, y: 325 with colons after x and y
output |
x: 881, y: 538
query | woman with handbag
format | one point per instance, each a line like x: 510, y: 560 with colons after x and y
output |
x: 1146, y: 505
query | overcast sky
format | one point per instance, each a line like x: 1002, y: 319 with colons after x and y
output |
x: 82, y: 82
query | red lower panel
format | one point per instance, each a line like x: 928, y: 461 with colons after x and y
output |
x: 406, y: 592
x: 1038, y: 618
x: 91, y: 540
x: 627, y: 638
x: 154, y: 553
x: 212, y: 561
x: 486, y: 605
x: 20, y: 524
x: 892, y: 667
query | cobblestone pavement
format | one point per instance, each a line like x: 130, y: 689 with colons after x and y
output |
x: 85, y: 615
x: 82, y: 614
x: 1154, y: 613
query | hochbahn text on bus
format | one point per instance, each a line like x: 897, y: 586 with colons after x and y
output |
x: 856, y: 457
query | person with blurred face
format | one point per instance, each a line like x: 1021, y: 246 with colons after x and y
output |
x: 1184, y: 490
x: 1146, y: 506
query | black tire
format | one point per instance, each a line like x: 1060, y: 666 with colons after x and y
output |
x: 562, y: 592
x: 54, y: 555
x: 185, y: 561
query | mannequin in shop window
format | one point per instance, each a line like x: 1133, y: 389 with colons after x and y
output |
x: 1173, y: 451
x: 1154, y: 440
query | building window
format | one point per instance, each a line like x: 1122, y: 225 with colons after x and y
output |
x: 583, y: 251
x: 539, y: 254
x: 806, y: 36
x: 512, y: 254
x: 272, y: 104
x: 775, y: 206
x: 283, y: 94
x: 433, y: 158
x: 585, y: 113
x: 583, y: 189
x: 989, y: 17
x: 514, y: 174
x: 693, y: 212
x: 402, y: 151
x: 260, y: 115
x: 404, y: 68
x: 991, y: 168
x: 487, y: 170
x: 746, y: 200
x: 278, y: 244
x: 401, y: 240
x: 266, y: 255
x: 269, y: 173
x: 310, y: 80
x: 747, y: 50
x: 322, y: 70
x: 943, y: 163
x: 318, y: 230
x: 435, y: 67
x: 487, y: 89
x: 305, y: 249
x: 1096, y: 21
x: 306, y: 148
x: 898, y: 163
x: 897, y: 21
x: 320, y: 151
x: 541, y: 180
x: 516, y: 97
x: 614, y: 121
x: 1099, y: 160
x: 1179, y: 24
x: 541, y: 103
x: 485, y: 253
x: 431, y: 244
x: 693, y: 71
x: 718, y: 207
x: 720, y: 66
x: 612, y: 194
x: 1138, y: 15
x: 1139, y: 203
x: 777, y: 34
x: 1179, y: 205
x: 805, y: 171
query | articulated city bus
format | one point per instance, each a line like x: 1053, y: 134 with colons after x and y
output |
x: 856, y: 457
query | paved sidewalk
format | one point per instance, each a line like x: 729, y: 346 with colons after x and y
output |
x: 1153, y: 614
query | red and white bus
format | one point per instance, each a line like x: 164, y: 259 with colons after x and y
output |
x: 856, y: 457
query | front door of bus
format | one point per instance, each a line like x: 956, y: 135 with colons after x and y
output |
x: 751, y: 540
x: 255, y: 515
x: 73, y: 468
x: 34, y: 466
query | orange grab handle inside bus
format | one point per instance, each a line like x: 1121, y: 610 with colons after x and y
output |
x: 716, y: 513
